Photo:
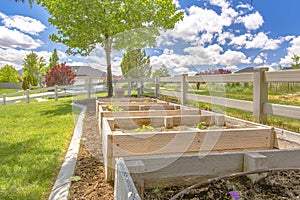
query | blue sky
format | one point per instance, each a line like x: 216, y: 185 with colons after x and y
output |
x: 230, y: 34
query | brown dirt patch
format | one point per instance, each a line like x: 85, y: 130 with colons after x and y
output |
x: 89, y: 166
x: 277, y: 185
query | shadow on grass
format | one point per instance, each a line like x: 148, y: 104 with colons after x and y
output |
x: 59, y: 109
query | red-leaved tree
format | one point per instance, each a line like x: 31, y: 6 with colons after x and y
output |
x: 60, y: 75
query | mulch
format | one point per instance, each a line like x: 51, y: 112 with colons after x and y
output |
x: 89, y: 166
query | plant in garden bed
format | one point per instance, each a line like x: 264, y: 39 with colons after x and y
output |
x: 144, y: 129
x: 202, y: 125
x: 115, y: 108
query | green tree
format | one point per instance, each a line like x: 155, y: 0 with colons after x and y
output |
x: 83, y: 24
x: 296, y: 64
x: 8, y: 74
x: 33, y: 67
x: 135, y: 64
x: 162, y: 72
x: 42, y: 66
x: 53, y: 60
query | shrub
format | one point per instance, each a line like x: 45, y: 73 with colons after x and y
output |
x: 25, y: 83
x: 60, y: 75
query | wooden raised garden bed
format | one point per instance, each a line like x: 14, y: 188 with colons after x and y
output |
x: 135, y: 175
x: 133, y: 104
x: 129, y: 137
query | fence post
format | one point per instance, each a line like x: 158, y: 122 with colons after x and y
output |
x: 140, y: 86
x: 184, y: 89
x: 4, y: 99
x: 89, y: 88
x: 27, y: 96
x: 56, y: 93
x: 156, y: 89
x: 129, y: 87
x: 260, y: 94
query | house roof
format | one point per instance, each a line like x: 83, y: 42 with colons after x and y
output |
x: 245, y: 70
x: 88, y: 72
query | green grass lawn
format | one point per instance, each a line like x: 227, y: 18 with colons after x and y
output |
x: 8, y: 91
x: 33, y: 141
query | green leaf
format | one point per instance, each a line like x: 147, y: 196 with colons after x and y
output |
x: 75, y: 178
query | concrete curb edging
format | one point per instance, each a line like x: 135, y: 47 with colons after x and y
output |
x: 60, y: 190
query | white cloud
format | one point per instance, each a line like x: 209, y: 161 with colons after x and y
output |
x: 230, y: 58
x: 258, y: 60
x: 271, y: 67
x: 168, y: 51
x: 171, y: 61
x: 223, y: 36
x: 2, y: 15
x: 294, y: 48
x: 203, y: 56
x: 15, y: 57
x: 229, y: 12
x: 176, y: 2
x: 198, y: 20
x: 258, y: 41
x: 231, y: 67
x: 205, y: 38
x: 262, y: 41
x: 240, y: 41
x: 289, y: 37
x: 181, y: 70
x: 251, y: 21
x: 261, y: 58
x: 244, y: 6
x: 220, y: 3
x: 16, y: 39
x: 200, y: 56
x: 24, y: 24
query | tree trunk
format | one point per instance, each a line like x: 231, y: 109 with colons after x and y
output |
x: 107, y: 47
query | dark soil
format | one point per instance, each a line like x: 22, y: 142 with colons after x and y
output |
x: 92, y: 184
x: 89, y: 166
x: 277, y: 185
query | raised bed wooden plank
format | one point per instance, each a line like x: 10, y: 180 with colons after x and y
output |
x: 158, y: 121
x: 126, y: 99
x: 107, y: 143
x: 147, y: 113
x: 189, y: 169
x: 151, y: 113
x: 146, y: 107
x: 182, y: 142
x: 125, y: 103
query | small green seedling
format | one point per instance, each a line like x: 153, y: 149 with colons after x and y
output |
x: 146, y: 101
x: 144, y: 129
x: 112, y: 107
x: 75, y: 178
x: 202, y: 125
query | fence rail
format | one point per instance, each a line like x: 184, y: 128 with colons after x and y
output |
x: 222, y: 78
x: 260, y: 78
